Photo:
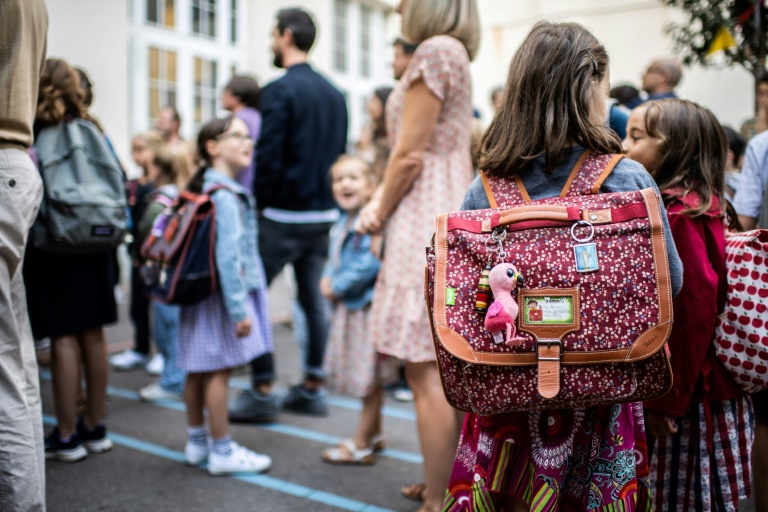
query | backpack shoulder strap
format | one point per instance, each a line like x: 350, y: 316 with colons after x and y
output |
x: 589, y: 173
x: 502, y: 192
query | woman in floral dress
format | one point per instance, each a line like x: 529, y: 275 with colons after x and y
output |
x: 429, y: 115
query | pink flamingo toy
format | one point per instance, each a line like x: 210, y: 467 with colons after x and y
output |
x: 502, y: 314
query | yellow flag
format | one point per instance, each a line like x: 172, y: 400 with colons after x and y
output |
x: 722, y: 41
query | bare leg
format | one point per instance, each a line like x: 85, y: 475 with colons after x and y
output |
x: 370, y: 418
x: 439, y: 426
x: 760, y: 467
x: 65, y: 370
x: 216, y: 403
x: 194, y: 398
x: 93, y: 347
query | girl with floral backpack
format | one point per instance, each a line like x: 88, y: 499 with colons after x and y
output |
x: 701, y: 433
x: 550, y: 122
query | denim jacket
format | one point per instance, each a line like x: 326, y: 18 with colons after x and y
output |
x: 237, y: 252
x: 351, y: 265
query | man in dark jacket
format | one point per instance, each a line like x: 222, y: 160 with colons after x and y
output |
x: 303, y: 132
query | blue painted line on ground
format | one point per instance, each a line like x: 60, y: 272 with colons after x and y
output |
x: 264, y: 481
x: 279, y: 428
x: 342, y: 402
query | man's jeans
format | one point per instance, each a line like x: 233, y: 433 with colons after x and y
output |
x: 305, y: 247
x: 22, y: 458
x: 166, y: 334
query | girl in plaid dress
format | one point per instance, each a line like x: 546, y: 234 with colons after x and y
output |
x: 229, y: 328
x: 702, y: 431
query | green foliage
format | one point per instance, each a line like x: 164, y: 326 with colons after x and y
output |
x: 704, y: 18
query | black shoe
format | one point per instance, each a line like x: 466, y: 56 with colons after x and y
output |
x: 70, y: 451
x: 304, y: 401
x: 252, y: 406
x: 96, y: 440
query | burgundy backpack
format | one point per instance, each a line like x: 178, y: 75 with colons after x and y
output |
x: 591, y: 297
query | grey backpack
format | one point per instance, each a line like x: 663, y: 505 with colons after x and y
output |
x: 84, y: 203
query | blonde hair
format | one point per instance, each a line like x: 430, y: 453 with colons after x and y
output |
x: 365, y: 165
x: 152, y: 139
x: 423, y: 19
x: 173, y: 162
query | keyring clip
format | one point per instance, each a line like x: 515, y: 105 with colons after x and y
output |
x: 582, y: 223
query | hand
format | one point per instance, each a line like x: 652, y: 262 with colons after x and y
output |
x: 243, y: 328
x: 661, y: 425
x: 368, y: 221
x: 326, y: 290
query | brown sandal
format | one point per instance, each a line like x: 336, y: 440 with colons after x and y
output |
x: 415, y: 492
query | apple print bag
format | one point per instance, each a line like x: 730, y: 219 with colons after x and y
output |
x: 582, y: 300
x: 741, y: 331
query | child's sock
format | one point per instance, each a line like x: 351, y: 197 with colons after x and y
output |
x: 198, y: 436
x: 222, y: 446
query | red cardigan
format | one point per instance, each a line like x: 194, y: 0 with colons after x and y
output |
x: 697, y: 373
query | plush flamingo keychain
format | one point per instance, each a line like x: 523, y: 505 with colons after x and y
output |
x: 501, y: 316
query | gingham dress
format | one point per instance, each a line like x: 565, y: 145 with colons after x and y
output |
x: 207, y: 339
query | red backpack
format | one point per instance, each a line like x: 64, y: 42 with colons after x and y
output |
x: 584, y: 303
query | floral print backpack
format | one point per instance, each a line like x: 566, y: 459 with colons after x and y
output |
x: 593, y: 296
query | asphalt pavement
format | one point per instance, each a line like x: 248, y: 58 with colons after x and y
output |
x: 145, y: 469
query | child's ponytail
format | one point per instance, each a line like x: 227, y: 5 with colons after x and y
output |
x: 211, y: 130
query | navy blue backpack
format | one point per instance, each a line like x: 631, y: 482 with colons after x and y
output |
x: 179, y: 253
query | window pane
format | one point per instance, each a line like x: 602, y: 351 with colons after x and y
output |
x: 152, y: 11
x: 154, y: 101
x: 154, y: 63
x: 198, y: 71
x: 170, y: 14
x: 170, y: 68
x: 196, y: 19
x: 233, y: 21
x: 212, y: 22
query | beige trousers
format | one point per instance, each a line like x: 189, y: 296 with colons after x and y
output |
x: 22, y: 458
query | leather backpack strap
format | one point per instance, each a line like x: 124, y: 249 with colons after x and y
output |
x: 503, y: 192
x: 589, y: 173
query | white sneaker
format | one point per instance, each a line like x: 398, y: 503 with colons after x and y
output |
x: 155, y: 393
x: 155, y: 365
x: 128, y: 360
x: 194, y: 454
x: 241, y: 460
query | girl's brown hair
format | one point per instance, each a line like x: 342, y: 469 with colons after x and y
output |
x: 365, y: 165
x: 549, y: 101
x: 211, y: 130
x: 173, y: 162
x: 60, y: 94
x: 693, y: 151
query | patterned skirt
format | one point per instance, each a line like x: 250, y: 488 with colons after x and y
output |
x: 566, y: 460
x: 207, y: 339
x: 352, y: 365
x: 706, y: 465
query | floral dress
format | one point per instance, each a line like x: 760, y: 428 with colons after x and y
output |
x: 399, y: 324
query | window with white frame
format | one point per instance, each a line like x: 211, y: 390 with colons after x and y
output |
x: 205, y: 90
x: 161, y: 12
x: 340, y: 23
x: 204, y: 17
x: 366, y: 13
x: 162, y: 80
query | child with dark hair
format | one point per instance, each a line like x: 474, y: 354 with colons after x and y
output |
x: 576, y: 459
x: 241, y: 97
x: 736, y: 146
x: 702, y: 431
x: 231, y: 327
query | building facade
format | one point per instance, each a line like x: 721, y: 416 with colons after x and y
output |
x: 143, y: 54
